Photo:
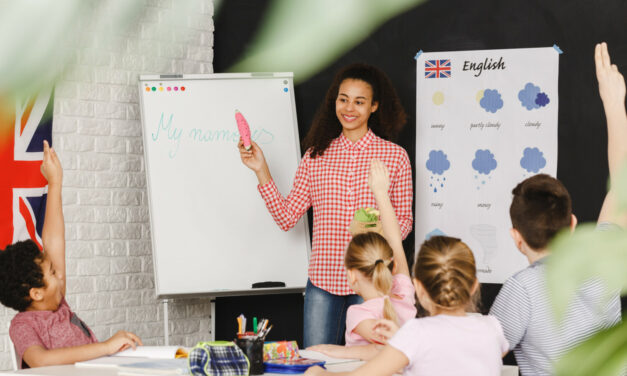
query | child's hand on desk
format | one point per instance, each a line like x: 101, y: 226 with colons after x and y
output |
x: 378, y: 178
x: 51, y: 166
x: 334, y: 351
x: 385, y: 329
x: 122, y: 340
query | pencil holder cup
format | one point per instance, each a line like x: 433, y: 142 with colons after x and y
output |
x: 253, y: 349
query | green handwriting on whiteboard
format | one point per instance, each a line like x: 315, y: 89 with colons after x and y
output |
x: 173, y: 134
x: 166, y: 130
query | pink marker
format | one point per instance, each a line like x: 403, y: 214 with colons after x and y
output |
x: 244, y: 129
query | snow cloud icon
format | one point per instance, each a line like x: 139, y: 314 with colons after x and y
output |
x: 533, y: 160
x: 491, y: 101
x: 484, y: 161
x: 438, y: 162
x: 532, y: 98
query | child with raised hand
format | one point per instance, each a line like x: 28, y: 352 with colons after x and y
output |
x: 377, y: 270
x: 541, y: 207
x: 449, y: 342
x: 46, y: 331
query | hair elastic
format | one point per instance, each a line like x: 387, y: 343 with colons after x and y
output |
x: 377, y: 262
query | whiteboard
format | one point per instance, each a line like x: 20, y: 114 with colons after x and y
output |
x: 211, y: 232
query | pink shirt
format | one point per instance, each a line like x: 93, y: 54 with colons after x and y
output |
x: 452, y: 345
x: 403, y: 300
x: 49, y: 329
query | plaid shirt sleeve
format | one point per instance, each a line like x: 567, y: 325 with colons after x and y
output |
x: 287, y: 211
x: 401, y: 195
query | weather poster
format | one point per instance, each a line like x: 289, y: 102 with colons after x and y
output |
x: 485, y: 121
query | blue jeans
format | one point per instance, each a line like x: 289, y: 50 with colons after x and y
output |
x: 325, y: 316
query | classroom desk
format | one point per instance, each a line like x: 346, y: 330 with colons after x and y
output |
x: 71, y: 370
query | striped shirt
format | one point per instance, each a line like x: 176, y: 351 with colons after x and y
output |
x: 335, y: 185
x: 537, y: 339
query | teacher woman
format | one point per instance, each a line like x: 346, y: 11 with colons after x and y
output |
x: 360, y: 112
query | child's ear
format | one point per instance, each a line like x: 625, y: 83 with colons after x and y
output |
x: 352, y: 276
x: 518, y: 239
x: 417, y: 285
x: 36, y: 294
x: 475, y: 287
x: 573, y: 222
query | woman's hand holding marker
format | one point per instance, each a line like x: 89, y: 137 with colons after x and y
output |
x: 252, y: 156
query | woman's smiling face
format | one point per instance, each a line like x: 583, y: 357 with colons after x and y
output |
x: 354, y: 105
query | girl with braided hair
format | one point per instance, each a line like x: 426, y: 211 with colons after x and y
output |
x: 449, y: 341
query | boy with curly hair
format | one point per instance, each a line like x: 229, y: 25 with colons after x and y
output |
x: 46, y: 331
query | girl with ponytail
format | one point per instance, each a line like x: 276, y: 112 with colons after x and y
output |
x: 377, y: 270
x: 449, y: 341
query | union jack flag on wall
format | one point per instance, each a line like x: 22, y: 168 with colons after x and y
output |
x: 24, y: 125
x: 438, y: 68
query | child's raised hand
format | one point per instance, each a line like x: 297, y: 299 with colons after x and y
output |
x: 385, y: 329
x: 611, y: 81
x: 51, y: 166
x: 122, y: 340
x: 378, y: 179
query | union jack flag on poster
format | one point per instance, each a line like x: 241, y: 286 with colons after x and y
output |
x: 438, y: 68
x: 24, y: 125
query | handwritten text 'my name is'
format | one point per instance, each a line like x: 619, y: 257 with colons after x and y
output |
x: 165, y: 129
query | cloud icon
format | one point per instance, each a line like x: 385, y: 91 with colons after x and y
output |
x: 438, y: 162
x: 542, y: 99
x: 491, y: 100
x: 533, y: 160
x: 484, y: 161
x: 532, y: 98
x: 435, y: 232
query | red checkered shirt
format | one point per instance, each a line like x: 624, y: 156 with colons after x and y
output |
x: 335, y: 185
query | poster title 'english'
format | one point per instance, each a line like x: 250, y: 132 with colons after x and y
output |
x: 487, y: 64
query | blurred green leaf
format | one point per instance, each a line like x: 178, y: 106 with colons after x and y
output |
x: 619, y: 188
x: 582, y: 255
x: 605, y: 354
x: 305, y: 36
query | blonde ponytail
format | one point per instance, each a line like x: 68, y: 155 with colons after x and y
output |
x: 382, y: 281
x: 371, y: 254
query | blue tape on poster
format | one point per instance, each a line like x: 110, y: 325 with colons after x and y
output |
x: 558, y: 49
x: 418, y: 55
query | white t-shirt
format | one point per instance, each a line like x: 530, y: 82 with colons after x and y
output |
x: 452, y: 345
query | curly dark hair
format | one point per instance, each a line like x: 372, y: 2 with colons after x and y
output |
x: 386, y: 122
x: 20, y: 270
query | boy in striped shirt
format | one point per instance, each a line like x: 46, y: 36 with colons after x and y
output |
x: 541, y: 207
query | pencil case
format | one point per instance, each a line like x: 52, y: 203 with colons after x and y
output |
x: 280, y: 350
x: 217, y: 358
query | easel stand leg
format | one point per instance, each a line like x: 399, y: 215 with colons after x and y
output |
x: 165, y: 323
x: 213, y: 319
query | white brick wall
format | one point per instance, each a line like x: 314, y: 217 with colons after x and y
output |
x: 97, y: 134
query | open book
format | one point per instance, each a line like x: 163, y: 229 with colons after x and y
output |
x: 141, y: 353
x: 155, y: 352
